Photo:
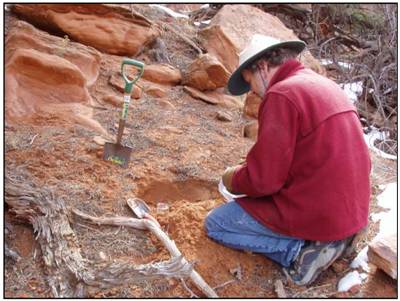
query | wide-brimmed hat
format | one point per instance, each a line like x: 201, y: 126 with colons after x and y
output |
x: 259, y: 45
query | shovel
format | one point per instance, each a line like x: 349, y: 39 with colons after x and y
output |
x: 140, y: 208
x: 116, y: 152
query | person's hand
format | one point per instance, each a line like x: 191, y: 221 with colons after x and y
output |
x: 228, y: 175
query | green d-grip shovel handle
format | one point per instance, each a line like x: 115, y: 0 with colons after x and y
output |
x: 127, y: 93
x: 129, y: 83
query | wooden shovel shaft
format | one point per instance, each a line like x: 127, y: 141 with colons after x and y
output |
x: 121, y: 127
x: 124, y: 115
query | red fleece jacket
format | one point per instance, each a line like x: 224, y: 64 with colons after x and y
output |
x: 307, y: 175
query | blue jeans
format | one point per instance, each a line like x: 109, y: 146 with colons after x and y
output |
x: 233, y: 227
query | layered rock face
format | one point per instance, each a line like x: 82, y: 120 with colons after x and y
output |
x: 46, y: 76
x: 108, y: 28
x: 25, y: 36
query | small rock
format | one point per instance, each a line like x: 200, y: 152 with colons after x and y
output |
x: 102, y: 255
x: 156, y: 90
x: 166, y: 104
x: 279, y: 289
x: 339, y: 266
x: 163, y: 74
x: 114, y: 100
x: 355, y: 289
x: 223, y: 116
x: 206, y: 73
x: 250, y: 130
x: 340, y: 295
x: 200, y: 95
x: 236, y: 272
x: 251, y: 105
x: 99, y: 154
x: 99, y: 140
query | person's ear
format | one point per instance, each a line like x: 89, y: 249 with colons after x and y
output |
x: 263, y: 65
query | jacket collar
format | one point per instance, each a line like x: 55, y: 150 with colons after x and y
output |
x: 284, y: 71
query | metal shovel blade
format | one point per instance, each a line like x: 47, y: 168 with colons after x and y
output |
x: 138, y: 206
x: 117, y: 154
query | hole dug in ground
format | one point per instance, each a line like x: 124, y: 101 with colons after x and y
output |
x: 165, y: 191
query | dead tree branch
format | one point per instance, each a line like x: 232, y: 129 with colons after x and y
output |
x: 68, y: 272
x: 166, y: 26
x: 160, y: 234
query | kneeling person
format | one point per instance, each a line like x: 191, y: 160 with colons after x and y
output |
x: 306, y: 179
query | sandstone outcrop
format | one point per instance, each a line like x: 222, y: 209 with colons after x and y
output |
x: 39, y: 84
x: 162, y: 74
x: 206, y: 73
x: 108, y: 28
x: 233, y: 26
x: 215, y: 98
x: 25, y: 36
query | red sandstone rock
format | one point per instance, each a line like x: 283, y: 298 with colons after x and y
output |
x: 108, y: 28
x: 251, y: 105
x: 38, y: 83
x: 382, y: 252
x: 250, y: 130
x: 25, y: 36
x: 206, y: 73
x: 215, y: 97
x: 233, y: 26
x: 162, y: 74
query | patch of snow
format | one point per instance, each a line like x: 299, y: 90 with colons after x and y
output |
x: 361, y: 260
x: 374, y: 135
x: 364, y: 276
x: 169, y: 11
x: 226, y: 194
x: 202, y: 22
x: 388, y: 200
x: 205, y: 6
x: 347, y: 282
x: 353, y: 90
x: 341, y: 64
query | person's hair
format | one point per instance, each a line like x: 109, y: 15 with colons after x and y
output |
x: 279, y: 56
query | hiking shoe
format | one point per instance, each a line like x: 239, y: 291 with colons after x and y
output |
x: 313, y: 259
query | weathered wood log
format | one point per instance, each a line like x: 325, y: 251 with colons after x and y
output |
x: 153, y: 227
x: 68, y: 272
x: 382, y: 252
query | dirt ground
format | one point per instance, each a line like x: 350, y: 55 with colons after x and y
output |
x: 179, y: 154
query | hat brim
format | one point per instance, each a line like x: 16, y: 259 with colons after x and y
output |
x: 238, y: 86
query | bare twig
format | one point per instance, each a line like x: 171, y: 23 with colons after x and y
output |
x: 224, y: 284
x: 192, y: 294
x: 33, y: 139
x: 184, y: 38
x: 313, y: 288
